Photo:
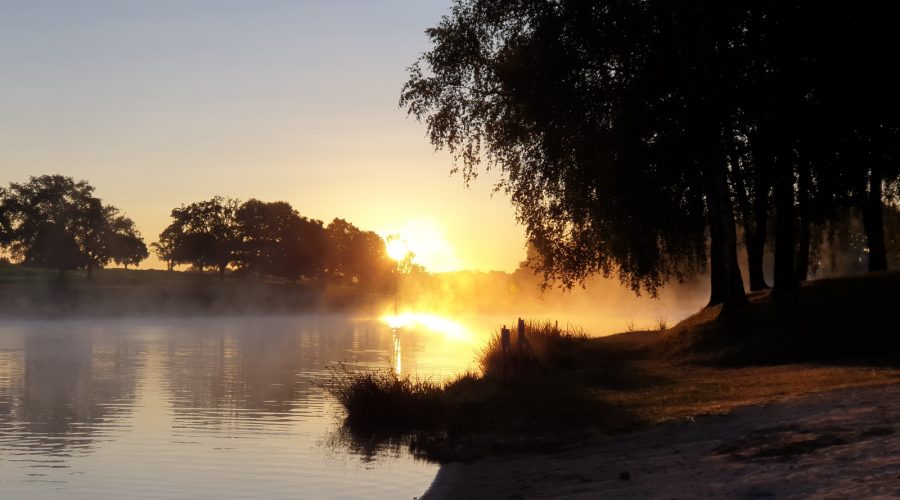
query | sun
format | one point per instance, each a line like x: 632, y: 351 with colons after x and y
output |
x: 423, y: 237
x: 397, y: 248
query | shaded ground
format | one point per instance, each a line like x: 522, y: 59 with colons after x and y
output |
x: 593, y: 387
x: 842, y: 444
x: 792, y: 396
x: 559, y: 390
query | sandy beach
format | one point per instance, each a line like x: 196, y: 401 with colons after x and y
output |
x: 841, y: 444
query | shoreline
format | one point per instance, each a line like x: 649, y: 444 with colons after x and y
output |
x: 123, y: 299
x: 843, y: 443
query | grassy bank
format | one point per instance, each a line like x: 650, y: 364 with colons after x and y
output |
x: 563, y: 388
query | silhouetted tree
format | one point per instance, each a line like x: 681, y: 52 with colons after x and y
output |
x: 368, y: 258
x: 835, y: 120
x: 261, y: 226
x: 629, y: 133
x: 608, y: 123
x: 277, y: 240
x: 126, y: 247
x: 270, y: 238
x: 5, y: 223
x: 203, y: 234
x: 56, y: 222
x: 95, y: 227
x: 355, y: 255
x: 339, y: 237
x: 892, y: 234
x: 869, y: 80
x: 304, y: 250
x: 166, y: 249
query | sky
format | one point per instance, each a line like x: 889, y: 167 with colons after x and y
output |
x: 163, y: 102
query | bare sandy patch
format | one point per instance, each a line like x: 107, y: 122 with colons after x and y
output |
x: 840, y: 444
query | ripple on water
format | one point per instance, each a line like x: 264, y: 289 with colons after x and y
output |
x: 191, y: 409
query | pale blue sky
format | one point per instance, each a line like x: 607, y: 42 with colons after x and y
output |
x: 159, y: 103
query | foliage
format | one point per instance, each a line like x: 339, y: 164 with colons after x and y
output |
x: 276, y: 240
x: 203, y: 234
x: 355, y: 255
x: 626, y: 131
x: 54, y: 221
x: 271, y: 238
x: 523, y: 86
x: 167, y: 249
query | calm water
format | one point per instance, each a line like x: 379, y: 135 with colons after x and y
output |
x: 190, y: 408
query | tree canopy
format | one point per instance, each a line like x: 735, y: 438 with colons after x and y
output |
x: 270, y: 238
x: 203, y: 234
x: 54, y: 221
x: 276, y: 240
x: 634, y: 136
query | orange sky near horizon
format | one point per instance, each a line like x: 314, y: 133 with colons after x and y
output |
x: 163, y: 103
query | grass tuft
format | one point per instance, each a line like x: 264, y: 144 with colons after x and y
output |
x: 384, y: 401
x: 546, y: 346
x: 629, y: 326
x: 662, y: 323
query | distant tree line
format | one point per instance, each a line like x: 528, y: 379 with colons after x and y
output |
x: 270, y: 238
x: 55, y: 222
x: 651, y: 139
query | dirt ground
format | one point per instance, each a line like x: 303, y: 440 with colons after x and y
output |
x: 841, y: 444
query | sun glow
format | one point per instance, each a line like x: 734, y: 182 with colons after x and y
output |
x: 429, y: 322
x: 397, y: 249
x: 425, y: 238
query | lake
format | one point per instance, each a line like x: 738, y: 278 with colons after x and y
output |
x: 215, y: 408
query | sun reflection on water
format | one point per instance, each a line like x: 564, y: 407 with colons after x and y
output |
x: 397, y: 360
x: 452, y: 330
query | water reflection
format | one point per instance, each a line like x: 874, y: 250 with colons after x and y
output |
x: 431, y: 323
x: 216, y: 407
x: 398, y: 351
x: 370, y: 447
x: 60, y: 392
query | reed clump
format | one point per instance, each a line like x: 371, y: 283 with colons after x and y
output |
x: 545, y: 346
x: 385, y: 401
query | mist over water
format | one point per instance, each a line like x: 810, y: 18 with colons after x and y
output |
x: 601, y: 307
x: 188, y: 408
x: 233, y: 407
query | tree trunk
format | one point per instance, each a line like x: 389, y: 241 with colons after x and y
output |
x: 756, y: 247
x: 873, y: 222
x: 756, y: 241
x: 756, y: 250
x: 90, y: 270
x: 727, y: 285
x: 62, y: 274
x: 783, y: 116
x: 717, y: 284
x: 762, y: 180
x: 803, y: 235
x: 222, y: 271
x: 753, y: 229
x: 785, y: 275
